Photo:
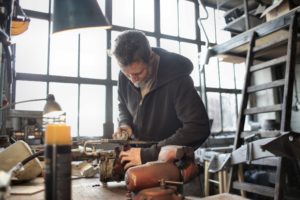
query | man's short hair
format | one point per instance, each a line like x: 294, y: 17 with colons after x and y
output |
x: 131, y: 46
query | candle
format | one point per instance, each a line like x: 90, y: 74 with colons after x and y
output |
x: 58, y: 134
x: 58, y: 162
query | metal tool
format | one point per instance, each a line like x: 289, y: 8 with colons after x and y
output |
x: 166, y: 191
x: 110, y: 166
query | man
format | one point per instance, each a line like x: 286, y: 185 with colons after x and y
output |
x: 157, y: 99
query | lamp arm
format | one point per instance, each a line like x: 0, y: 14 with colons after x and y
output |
x: 25, y: 101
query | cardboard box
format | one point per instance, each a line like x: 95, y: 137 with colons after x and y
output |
x: 284, y: 7
x: 278, y: 8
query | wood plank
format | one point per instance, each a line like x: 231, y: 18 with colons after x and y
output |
x: 94, y: 190
x: 206, y: 178
x: 84, y: 188
x: 272, y: 161
x: 229, y: 4
x: 265, y: 109
x: 281, y: 39
x: 258, y: 43
x: 250, y: 152
x: 289, y: 75
x: 26, y: 190
x: 257, y: 189
x: 29, y: 188
x: 262, y: 134
x: 223, y: 196
x: 270, y: 63
x: 265, y: 86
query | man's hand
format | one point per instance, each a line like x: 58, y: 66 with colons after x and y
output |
x: 131, y: 157
x: 121, y: 132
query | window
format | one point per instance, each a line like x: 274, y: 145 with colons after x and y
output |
x: 93, y: 54
x: 64, y: 55
x: 144, y: 15
x: 83, y: 77
x: 35, y: 41
x: 28, y: 90
x: 168, y: 13
x: 122, y: 13
x: 92, y: 110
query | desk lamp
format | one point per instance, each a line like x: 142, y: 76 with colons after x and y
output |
x: 74, y: 14
x: 52, y: 111
x: 50, y: 106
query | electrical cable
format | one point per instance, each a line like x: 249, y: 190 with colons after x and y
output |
x: 26, y: 160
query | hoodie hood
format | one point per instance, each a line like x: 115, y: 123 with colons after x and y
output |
x: 171, y: 67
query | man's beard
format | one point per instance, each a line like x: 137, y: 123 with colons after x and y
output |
x: 140, y: 84
x: 143, y: 83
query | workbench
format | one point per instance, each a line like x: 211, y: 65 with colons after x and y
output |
x: 82, y: 188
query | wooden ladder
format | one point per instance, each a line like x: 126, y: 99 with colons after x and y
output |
x: 286, y: 83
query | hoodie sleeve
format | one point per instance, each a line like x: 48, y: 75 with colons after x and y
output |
x: 150, y: 153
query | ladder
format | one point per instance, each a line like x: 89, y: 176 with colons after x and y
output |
x: 284, y: 107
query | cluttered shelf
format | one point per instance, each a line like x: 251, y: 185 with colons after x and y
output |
x: 235, y: 49
x: 229, y: 4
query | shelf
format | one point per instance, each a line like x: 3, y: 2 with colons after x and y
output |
x: 237, y: 46
x: 230, y: 4
x: 238, y: 25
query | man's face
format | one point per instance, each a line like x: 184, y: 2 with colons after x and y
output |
x: 136, y: 72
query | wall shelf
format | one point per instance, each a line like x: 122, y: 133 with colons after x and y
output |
x: 236, y: 46
x: 239, y: 26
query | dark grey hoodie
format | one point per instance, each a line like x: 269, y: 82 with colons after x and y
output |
x: 172, y: 113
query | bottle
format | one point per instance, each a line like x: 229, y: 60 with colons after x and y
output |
x: 58, y: 162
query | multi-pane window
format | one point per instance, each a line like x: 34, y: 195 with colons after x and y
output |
x: 78, y: 70
x: 223, y: 80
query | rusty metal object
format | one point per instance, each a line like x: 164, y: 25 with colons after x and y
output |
x: 157, y: 194
x: 148, y: 175
x: 189, y: 172
x: 183, y: 157
x: 175, y: 163
x: 110, y: 167
x: 164, y: 192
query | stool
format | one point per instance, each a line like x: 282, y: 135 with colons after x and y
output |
x: 221, y: 182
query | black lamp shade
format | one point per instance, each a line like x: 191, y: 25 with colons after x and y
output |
x: 74, y: 14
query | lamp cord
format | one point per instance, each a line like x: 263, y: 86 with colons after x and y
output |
x: 26, y: 160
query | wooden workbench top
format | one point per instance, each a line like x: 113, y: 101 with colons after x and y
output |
x: 83, y: 188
